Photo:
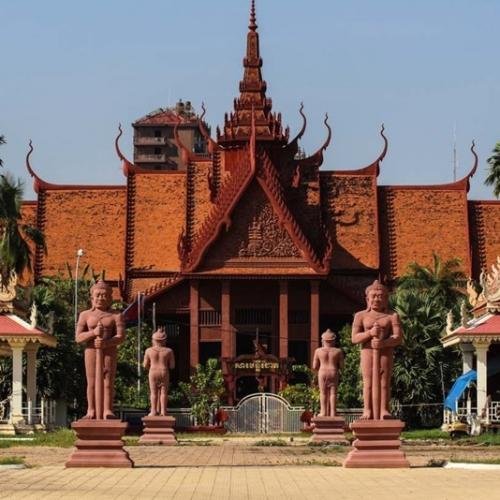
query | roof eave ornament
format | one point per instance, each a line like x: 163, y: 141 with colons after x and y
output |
x: 316, y: 159
x: 374, y: 167
x: 294, y: 144
x: 127, y: 166
x: 38, y: 183
x: 213, y: 146
x: 466, y: 180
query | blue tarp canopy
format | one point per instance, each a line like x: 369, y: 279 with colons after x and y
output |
x: 458, y: 389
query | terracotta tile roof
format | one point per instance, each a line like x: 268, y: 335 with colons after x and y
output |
x: 417, y: 221
x: 167, y: 116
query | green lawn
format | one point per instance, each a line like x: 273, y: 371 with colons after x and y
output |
x: 61, y: 438
x: 11, y: 461
x: 425, y: 434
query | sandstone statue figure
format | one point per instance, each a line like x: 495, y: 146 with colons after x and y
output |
x: 101, y: 330
x: 378, y: 330
x: 328, y: 361
x: 159, y: 359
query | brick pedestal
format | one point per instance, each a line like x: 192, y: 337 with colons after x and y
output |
x: 328, y: 430
x: 99, y: 444
x: 158, y: 430
x: 377, y: 445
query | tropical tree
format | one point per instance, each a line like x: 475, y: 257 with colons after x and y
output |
x: 204, y: 390
x: 60, y: 373
x: 423, y: 370
x: 493, y: 178
x: 443, y: 279
x: 350, y: 387
x: 305, y: 393
x: 15, y: 236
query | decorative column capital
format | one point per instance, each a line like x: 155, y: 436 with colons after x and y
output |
x: 32, y: 347
x: 482, y: 344
x: 466, y: 347
x: 16, y: 343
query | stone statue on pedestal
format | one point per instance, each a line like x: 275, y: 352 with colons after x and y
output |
x: 101, y: 330
x: 99, y: 433
x: 378, y: 330
x: 159, y: 359
x: 328, y: 361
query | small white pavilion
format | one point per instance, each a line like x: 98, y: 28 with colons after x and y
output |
x: 18, y: 337
x: 479, y: 341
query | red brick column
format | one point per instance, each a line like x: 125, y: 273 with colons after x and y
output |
x: 314, y: 335
x: 227, y: 337
x: 283, y: 329
x: 194, y: 327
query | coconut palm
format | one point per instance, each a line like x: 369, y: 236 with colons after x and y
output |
x: 493, y: 178
x: 15, y: 237
x: 442, y: 279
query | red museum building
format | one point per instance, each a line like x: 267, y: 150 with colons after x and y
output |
x: 251, y: 236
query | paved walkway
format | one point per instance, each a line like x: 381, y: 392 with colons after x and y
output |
x: 234, y: 483
x: 245, y: 453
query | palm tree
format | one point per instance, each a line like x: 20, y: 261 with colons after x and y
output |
x: 442, y: 279
x: 493, y: 178
x: 15, y: 237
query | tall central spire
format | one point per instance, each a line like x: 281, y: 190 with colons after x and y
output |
x: 237, y: 126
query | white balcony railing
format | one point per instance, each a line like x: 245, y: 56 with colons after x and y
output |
x: 150, y: 158
x: 150, y: 141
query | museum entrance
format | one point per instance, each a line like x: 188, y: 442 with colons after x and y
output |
x: 249, y: 343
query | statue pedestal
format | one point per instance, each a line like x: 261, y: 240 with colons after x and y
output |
x: 328, y: 429
x: 377, y: 445
x: 99, y: 444
x: 158, y: 430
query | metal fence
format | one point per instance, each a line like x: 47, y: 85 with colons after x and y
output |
x: 263, y: 413
x: 260, y: 413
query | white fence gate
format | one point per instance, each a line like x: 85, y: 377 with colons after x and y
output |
x: 263, y: 413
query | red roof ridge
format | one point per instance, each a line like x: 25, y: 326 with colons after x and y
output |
x: 373, y: 168
x: 191, y: 253
x: 271, y: 185
x: 40, y: 184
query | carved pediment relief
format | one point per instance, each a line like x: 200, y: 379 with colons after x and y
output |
x: 255, y: 234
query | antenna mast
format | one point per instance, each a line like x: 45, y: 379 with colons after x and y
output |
x: 455, y: 159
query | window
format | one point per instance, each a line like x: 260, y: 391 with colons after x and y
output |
x: 157, y: 151
x: 298, y: 317
x: 209, y: 317
x: 253, y: 316
x: 157, y: 133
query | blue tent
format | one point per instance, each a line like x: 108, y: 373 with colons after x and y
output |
x: 458, y: 389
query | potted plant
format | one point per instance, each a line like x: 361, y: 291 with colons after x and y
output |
x: 204, y: 391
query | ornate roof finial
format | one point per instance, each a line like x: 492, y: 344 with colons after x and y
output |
x: 253, y: 19
x: 237, y: 126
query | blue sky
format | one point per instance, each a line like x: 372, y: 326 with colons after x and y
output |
x: 71, y: 71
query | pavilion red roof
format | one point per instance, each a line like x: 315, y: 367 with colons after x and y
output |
x: 13, y: 326
x: 485, y: 325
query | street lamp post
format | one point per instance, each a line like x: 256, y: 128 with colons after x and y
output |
x: 139, y: 332
x: 79, y: 253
